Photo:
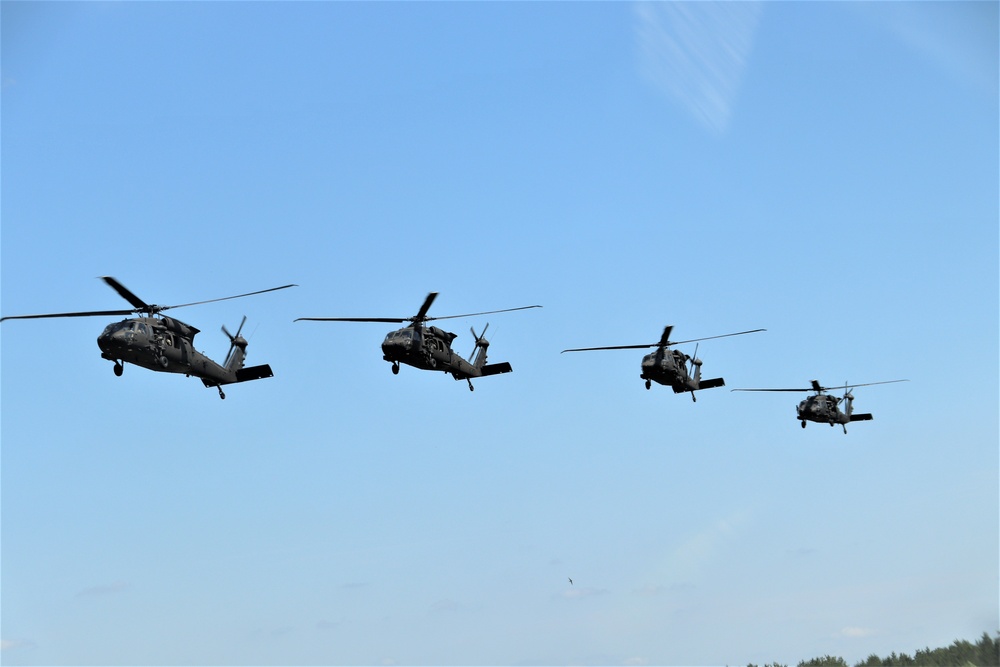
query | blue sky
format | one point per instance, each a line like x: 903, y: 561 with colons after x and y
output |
x: 827, y: 171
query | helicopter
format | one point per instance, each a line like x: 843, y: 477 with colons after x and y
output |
x: 823, y: 408
x: 669, y: 367
x: 165, y: 344
x: 428, y: 347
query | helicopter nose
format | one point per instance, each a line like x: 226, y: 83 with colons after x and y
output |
x: 110, y: 341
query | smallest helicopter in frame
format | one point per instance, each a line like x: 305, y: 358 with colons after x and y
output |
x: 672, y: 368
x: 824, y: 408
x: 164, y: 344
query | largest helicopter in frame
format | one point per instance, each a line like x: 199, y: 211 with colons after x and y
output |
x: 428, y: 347
x: 672, y: 368
x: 165, y: 344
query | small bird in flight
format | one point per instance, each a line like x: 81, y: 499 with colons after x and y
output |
x: 570, y: 581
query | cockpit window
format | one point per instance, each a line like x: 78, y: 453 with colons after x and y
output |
x: 118, y: 326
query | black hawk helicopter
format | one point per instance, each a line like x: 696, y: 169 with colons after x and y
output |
x: 669, y: 367
x: 823, y: 408
x: 165, y: 344
x: 429, y: 348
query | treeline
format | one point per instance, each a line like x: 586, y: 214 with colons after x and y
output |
x: 984, y: 653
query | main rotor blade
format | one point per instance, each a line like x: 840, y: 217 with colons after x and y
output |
x: 140, y: 305
x: 92, y: 313
x: 126, y: 293
x: 846, y: 386
x: 866, y: 384
x: 226, y: 298
x: 665, y: 338
x: 610, y: 347
x: 392, y: 320
x: 485, y: 312
x: 421, y: 315
x: 804, y: 389
x: 695, y: 340
x: 664, y: 342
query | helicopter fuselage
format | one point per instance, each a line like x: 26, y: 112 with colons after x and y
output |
x: 429, y: 348
x: 166, y: 345
x: 148, y: 342
x: 824, y: 409
x: 669, y: 368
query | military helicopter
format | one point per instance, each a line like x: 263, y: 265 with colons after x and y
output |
x: 669, y: 367
x: 429, y: 348
x: 165, y: 344
x: 823, y: 408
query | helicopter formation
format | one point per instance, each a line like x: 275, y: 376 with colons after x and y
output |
x: 151, y: 340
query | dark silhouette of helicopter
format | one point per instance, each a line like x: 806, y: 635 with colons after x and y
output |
x: 429, y: 348
x: 824, y: 408
x: 165, y: 344
x: 669, y: 367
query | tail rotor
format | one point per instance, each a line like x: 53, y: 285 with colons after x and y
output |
x: 236, y: 341
x: 481, y: 342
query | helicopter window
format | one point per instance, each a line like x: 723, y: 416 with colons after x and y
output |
x: 142, y: 328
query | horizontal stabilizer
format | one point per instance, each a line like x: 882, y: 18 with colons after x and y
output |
x: 703, y: 384
x: 496, y: 369
x: 863, y: 417
x: 712, y: 383
x: 254, y: 373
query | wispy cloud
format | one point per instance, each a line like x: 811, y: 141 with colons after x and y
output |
x: 695, y: 52
x: 104, y: 589
x: 447, y: 606
x: 854, y: 632
x: 686, y: 563
x: 959, y: 37
x: 638, y: 660
x: 353, y: 586
x: 579, y: 593
x: 14, y: 644
x: 324, y: 624
x: 656, y: 590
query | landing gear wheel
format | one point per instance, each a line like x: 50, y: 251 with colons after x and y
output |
x: 222, y: 394
x: 803, y: 423
x: 648, y: 384
x: 162, y: 361
x: 119, y: 369
x: 395, y: 369
x: 471, y: 388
